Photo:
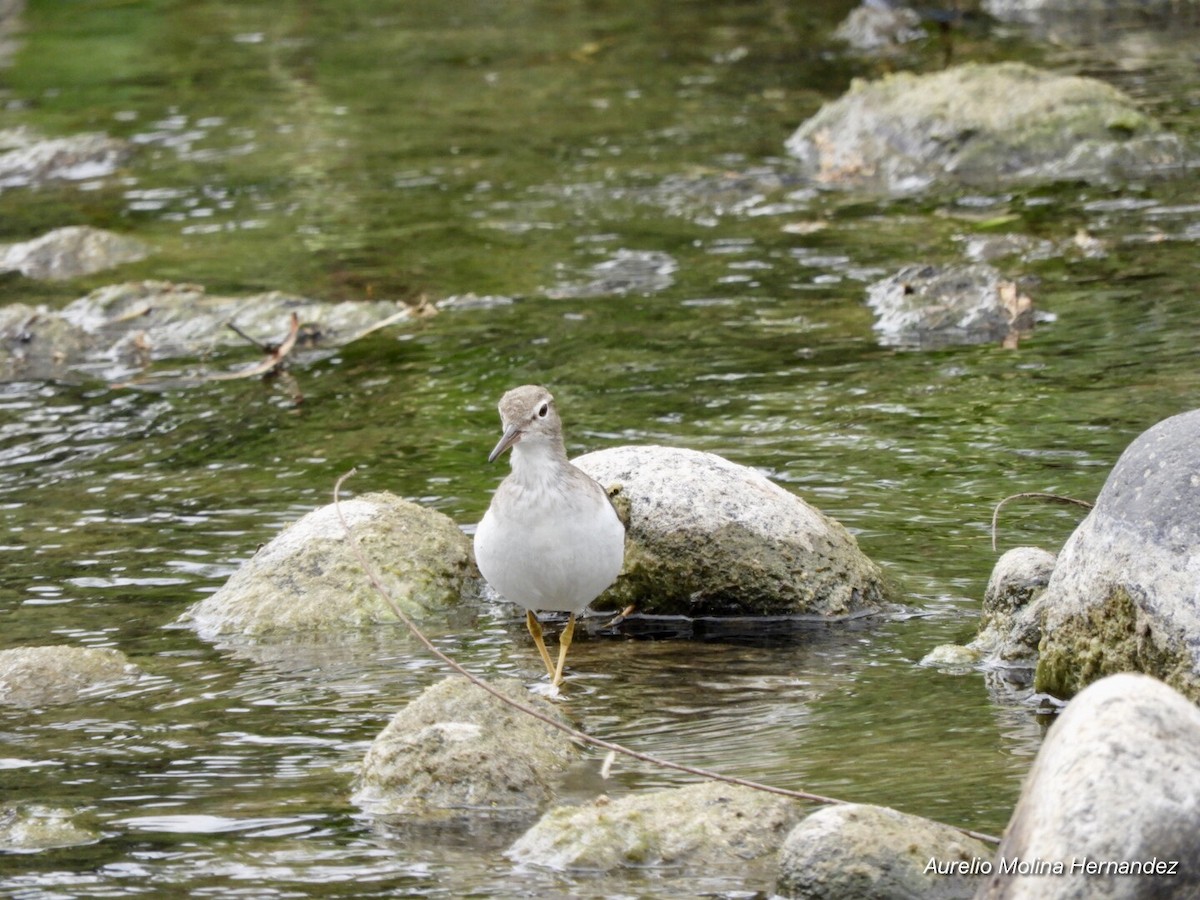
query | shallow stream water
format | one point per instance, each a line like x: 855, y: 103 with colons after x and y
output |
x: 511, y: 151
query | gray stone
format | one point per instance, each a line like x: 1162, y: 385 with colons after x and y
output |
x: 701, y: 826
x: 28, y: 159
x: 307, y: 581
x: 33, y: 677
x: 979, y: 125
x: 119, y: 329
x: 33, y: 827
x: 879, y: 27
x: 626, y: 272
x: 1036, y: 11
x: 456, y: 754
x: 929, y: 307
x: 1010, y: 630
x: 1117, y: 781
x: 71, y: 252
x: 861, y: 852
x: 705, y: 536
x: 951, y: 658
x: 1125, y: 592
x: 37, y: 343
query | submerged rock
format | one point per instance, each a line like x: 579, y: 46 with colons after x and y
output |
x: 71, y: 252
x: 701, y: 826
x: 32, y: 827
x: 929, y: 307
x: 1116, y: 783
x: 979, y: 125
x: 119, y: 329
x: 705, y: 536
x: 866, y: 852
x: 626, y: 272
x: 307, y: 581
x: 28, y: 159
x: 32, y: 677
x: 457, y: 754
x: 1123, y: 594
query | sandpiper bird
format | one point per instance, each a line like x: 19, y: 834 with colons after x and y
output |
x: 551, y: 538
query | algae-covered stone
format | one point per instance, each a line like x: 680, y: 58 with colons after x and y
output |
x: 1011, y: 627
x: 32, y: 677
x: 705, y: 536
x: 1115, y: 784
x: 979, y: 125
x: 32, y: 827
x: 1124, y: 591
x: 698, y: 826
x: 861, y: 852
x: 308, y: 579
x: 456, y: 753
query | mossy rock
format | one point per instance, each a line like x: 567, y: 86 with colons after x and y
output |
x: 308, y: 580
x: 980, y: 125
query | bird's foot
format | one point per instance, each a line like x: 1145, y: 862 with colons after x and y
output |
x: 621, y: 616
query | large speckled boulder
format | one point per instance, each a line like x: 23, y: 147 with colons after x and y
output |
x: 456, y: 752
x: 705, y: 825
x: 32, y: 677
x: 1116, y: 783
x: 1125, y: 592
x: 705, y: 536
x: 309, y: 581
x: 979, y: 125
x: 860, y: 852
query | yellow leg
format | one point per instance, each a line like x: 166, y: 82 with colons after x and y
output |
x: 564, y: 644
x: 536, y: 630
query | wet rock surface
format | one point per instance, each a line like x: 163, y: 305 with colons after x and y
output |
x: 928, y: 307
x: 34, y: 677
x: 705, y: 825
x: 1117, y: 782
x: 70, y: 252
x: 879, y: 27
x: 33, y: 827
x: 29, y: 159
x: 625, y: 272
x: 862, y: 852
x: 117, y: 330
x: 456, y: 754
x: 979, y: 124
x: 1010, y: 630
x: 705, y: 536
x: 308, y: 581
x: 1122, y: 596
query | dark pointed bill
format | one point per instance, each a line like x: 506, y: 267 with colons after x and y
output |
x: 512, y: 434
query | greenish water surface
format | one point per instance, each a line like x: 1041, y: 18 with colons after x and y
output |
x: 399, y: 150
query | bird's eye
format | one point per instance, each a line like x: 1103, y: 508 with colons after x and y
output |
x: 543, y: 409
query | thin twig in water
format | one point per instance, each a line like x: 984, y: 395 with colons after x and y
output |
x: 275, y: 355
x: 574, y: 733
x: 1038, y: 495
